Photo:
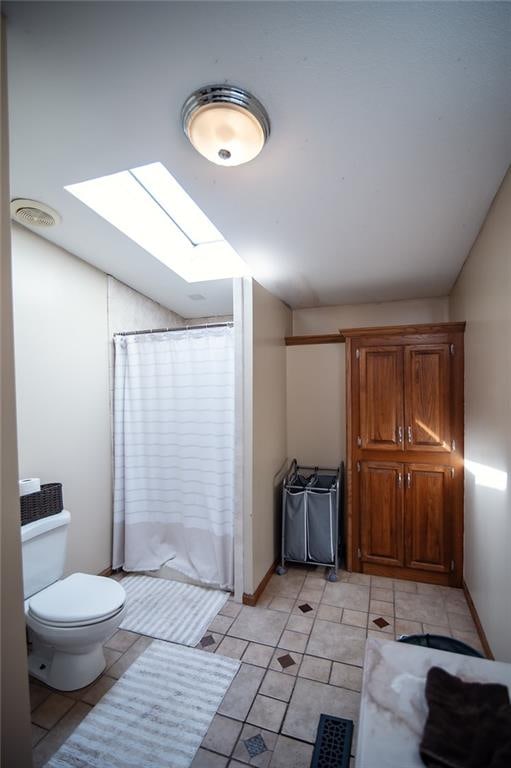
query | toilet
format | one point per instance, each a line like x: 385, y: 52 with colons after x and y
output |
x: 69, y: 618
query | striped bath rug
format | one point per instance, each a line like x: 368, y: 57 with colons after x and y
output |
x: 156, y: 714
x: 170, y: 610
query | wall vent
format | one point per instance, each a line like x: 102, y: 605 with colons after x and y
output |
x: 33, y: 214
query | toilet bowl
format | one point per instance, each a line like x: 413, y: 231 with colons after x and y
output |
x: 70, y: 618
x: 68, y: 623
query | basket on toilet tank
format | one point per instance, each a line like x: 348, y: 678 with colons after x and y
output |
x: 43, y: 503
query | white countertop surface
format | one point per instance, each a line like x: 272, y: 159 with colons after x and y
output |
x: 393, y: 706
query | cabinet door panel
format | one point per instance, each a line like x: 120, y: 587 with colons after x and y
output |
x: 427, y: 510
x: 381, y: 397
x: 381, y: 512
x: 427, y: 398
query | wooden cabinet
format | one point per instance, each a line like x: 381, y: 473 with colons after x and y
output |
x: 405, y: 452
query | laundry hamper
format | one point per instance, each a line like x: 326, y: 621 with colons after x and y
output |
x: 311, y: 507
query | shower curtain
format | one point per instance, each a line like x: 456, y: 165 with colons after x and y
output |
x: 174, y: 453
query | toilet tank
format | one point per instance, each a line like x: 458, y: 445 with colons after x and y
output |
x: 43, y: 548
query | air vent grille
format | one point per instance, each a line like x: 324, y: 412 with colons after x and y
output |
x: 33, y: 214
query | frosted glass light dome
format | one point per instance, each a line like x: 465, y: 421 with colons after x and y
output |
x: 227, y: 125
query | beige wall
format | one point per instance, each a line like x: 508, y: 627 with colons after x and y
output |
x: 482, y: 297
x: 316, y: 389
x: 61, y: 350
x: 15, y: 710
x: 271, y: 323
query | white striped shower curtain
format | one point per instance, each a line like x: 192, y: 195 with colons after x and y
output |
x: 174, y: 453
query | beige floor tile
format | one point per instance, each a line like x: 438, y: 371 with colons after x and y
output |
x: 386, y: 595
x: 277, y: 685
x: 382, y: 582
x: 314, y: 668
x: 126, y: 660
x: 47, y: 714
x: 406, y: 627
x: 382, y: 607
x: 420, y: 607
x: 38, y: 694
x: 241, y: 693
x: 291, y: 670
x: 267, y: 713
x: 220, y: 624
x: 293, y: 641
x: 259, y: 625
x: 241, y: 753
x: 470, y: 638
x: 313, y: 576
x: 290, y: 753
x: 354, y: 618
x: 309, y: 700
x: 346, y: 676
x: 308, y: 595
x: 57, y: 736
x: 329, y: 613
x: 284, y: 604
x: 359, y: 578
x: 402, y: 585
x: 380, y: 635
x: 111, y: 656
x: 314, y: 584
x: 122, y: 640
x: 300, y: 623
x: 232, y: 647
x: 346, y: 595
x: 98, y: 690
x: 430, y: 589
x: 460, y: 621
x: 222, y: 735
x: 37, y: 734
x: 231, y: 609
x: 258, y: 654
x: 434, y: 629
x: 389, y: 629
x: 205, y: 759
x: 338, y: 642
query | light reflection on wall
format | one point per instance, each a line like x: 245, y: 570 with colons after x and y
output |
x: 490, y: 477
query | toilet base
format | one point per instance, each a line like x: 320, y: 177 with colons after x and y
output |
x: 65, y: 671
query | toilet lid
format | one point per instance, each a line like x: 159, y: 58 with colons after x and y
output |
x: 78, y: 598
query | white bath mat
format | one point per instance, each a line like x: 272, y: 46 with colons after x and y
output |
x: 170, y: 610
x: 155, y: 716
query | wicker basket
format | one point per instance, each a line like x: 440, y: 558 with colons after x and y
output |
x: 43, y: 503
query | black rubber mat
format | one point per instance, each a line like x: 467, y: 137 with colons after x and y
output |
x: 333, y: 743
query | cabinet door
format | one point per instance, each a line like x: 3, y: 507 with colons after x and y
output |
x: 427, y: 417
x: 381, y: 398
x: 381, y: 512
x: 427, y: 521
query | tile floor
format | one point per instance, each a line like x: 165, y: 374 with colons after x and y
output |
x: 301, y: 650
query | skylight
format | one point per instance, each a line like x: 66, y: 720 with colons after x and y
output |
x: 149, y: 206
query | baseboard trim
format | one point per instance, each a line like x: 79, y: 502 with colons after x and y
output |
x: 107, y: 572
x: 252, y: 599
x: 477, y: 622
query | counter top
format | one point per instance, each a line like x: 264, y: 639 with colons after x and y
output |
x: 393, y: 706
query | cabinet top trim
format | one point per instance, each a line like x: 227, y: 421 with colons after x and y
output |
x: 383, y: 330
x: 403, y: 330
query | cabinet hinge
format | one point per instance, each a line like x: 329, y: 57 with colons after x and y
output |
x: 453, y: 445
x: 452, y: 472
x: 452, y: 566
x: 359, y: 553
x: 358, y: 466
x: 359, y: 441
x: 357, y: 354
x: 451, y: 349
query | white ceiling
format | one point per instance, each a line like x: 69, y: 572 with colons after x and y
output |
x: 391, y: 131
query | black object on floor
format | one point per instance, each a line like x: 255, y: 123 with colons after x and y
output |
x: 468, y: 725
x: 333, y: 743
x: 441, y: 643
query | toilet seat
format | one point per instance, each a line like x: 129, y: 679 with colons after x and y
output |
x: 77, y: 601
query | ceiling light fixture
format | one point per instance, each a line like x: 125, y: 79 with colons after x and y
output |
x: 149, y: 206
x: 226, y: 124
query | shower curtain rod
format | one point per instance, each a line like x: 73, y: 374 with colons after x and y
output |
x: 179, y: 328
